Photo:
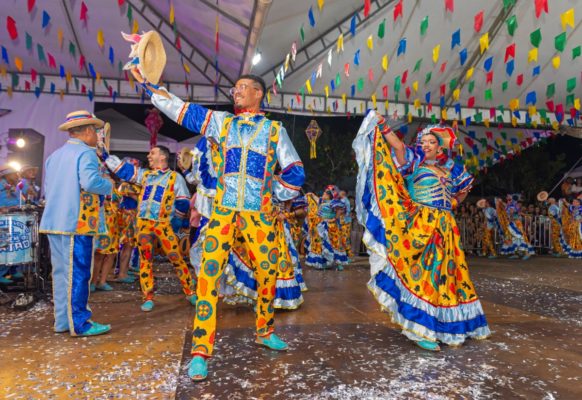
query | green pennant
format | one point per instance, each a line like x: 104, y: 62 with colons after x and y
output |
x: 382, y: 29
x: 119, y: 67
x: 417, y: 65
x: 427, y: 78
x: 488, y: 94
x: 15, y: 80
x: 360, y: 84
x: 570, y: 100
x: 453, y: 84
x: 560, y: 42
x: 503, y: 149
x: 504, y: 86
x: 504, y: 135
x: 433, y: 119
x: 41, y: 82
x: 397, y: 84
x: 129, y: 12
x: 511, y: 25
x: 406, y: 110
x: 72, y: 49
x: 576, y: 52
x: 535, y: 38
x: 471, y: 86
x: 77, y: 84
x: 40, y: 51
x: 423, y: 26
x: 338, y: 80
x: 478, y: 118
x: 302, y: 91
x: 106, y: 84
x: 543, y: 113
x: 28, y: 41
x: 550, y: 90
x: 419, y: 113
x: 571, y: 84
x: 507, y: 4
x: 302, y: 34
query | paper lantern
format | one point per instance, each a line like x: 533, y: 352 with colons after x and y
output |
x: 313, y: 132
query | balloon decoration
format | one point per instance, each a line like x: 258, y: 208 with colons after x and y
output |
x: 313, y: 132
x: 154, y: 123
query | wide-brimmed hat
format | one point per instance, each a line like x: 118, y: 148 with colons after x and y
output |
x: 147, y: 55
x: 542, y: 196
x: 482, y: 203
x: 7, y: 170
x: 445, y: 133
x: 80, y: 118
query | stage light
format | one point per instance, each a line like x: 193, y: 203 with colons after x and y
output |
x: 20, y: 143
x: 16, y: 165
x: 256, y: 58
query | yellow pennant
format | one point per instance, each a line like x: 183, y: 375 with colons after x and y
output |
x: 374, y: 100
x: 326, y: 88
x: 513, y: 104
x: 532, y: 55
x: 556, y: 62
x: 386, y: 106
x: 456, y: 94
x: 469, y: 73
x: 531, y: 110
x: 269, y: 96
x: 69, y: 77
x: 513, y: 122
x: 435, y: 53
x: 98, y: 77
x: 444, y: 114
x: 484, y: 42
x: 18, y: 63
x: 3, y: 71
x: 135, y: 27
x: 362, y: 107
x: 555, y: 125
x: 409, y: 118
x: 100, y: 40
x: 344, y: 97
x: 417, y: 103
x: 534, y: 123
x: 486, y: 122
x: 172, y: 13
x: 60, y: 37
x: 415, y: 86
x: 385, y: 62
x: 286, y: 66
x: 370, y: 42
x: 308, y: 86
x: 340, y: 43
x: 567, y: 19
x: 577, y: 103
x: 186, y: 68
x: 320, y: 4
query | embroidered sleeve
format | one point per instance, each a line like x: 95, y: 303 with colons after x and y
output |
x: 287, y: 184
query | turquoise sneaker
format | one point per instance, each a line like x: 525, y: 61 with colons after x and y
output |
x: 147, y: 306
x: 273, y: 342
x: 17, y: 275
x: 127, y: 279
x: 526, y: 257
x: 514, y: 257
x: 198, y: 369
x: 92, y: 288
x: 96, y: 329
x: 492, y: 257
x: 192, y: 299
x: 428, y: 345
x: 106, y: 287
x: 5, y: 281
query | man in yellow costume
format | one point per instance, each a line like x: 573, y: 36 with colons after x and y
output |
x: 250, y: 147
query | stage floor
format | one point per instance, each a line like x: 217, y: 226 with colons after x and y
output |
x: 341, y: 345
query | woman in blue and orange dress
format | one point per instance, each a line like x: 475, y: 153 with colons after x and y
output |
x: 404, y: 200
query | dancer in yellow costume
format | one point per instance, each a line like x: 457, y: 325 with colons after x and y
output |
x: 488, y: 228
x: 515, y: 240
x: 404, y: 199
x: 250, y: 147
x: 572, y: 226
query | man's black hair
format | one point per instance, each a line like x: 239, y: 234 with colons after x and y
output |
x: 257, y: 79
x: 164, y: 150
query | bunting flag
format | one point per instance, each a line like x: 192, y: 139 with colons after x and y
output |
x: 398, y: 10
x: 100, y: 39
x: 567, y: 19
x: 385, y: 62
x: 511, y: 25
x: 435, y: 53
x: 484, y: 42
x: 456, y: 39
x: 450, y: 6
x: 46, y: 19
x: 340, y: 43
x: 478, y: 23
x: 11, y: 27
x: 541, y: 6
x: 84, y: 10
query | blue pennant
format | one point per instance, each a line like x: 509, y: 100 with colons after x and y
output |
x: 456, y: 39
x: 463, y: 56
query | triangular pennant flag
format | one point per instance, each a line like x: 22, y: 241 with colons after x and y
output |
x: 385, y: 62
x: 463, y: 56
x: 531, y: 98
x: 511, y: 24
x: 567, y: 19
x: 11, y: 27
x: 28, y: 41
x: 40, y: 52
x: 398, y: 11
x: 435, y: 53
x: 423, y: 26
x: 449, y: 6
x: 353, y: 25
x: 535, y: 37
x: 541, y: 6
x: 347, y: 70
x: 560, y: 42
x: 519, y: 79
x: 366, y: 8
x: 488, y: 64
x: 484, y: 42
x: 382, y: 29
x: 532, y: 55
x: 371, y: 75
x: 18, y: 64
x: 60, y: 37
x: 84, y: 10
x: 509, y: 51
x: 576, y: 52
x: 417, y: 65
x: 478, y: 24
x: 357, y: 57
x: 456, y: 39
x: 571, y: 84
x: 46, y: 19
x: 100, y: 39
x: 311, y: 17
x: 30, y: 5
x: 427, y: 78
x: 370, y: 42
x: 111, y: 55
x: 329, y: 57
x: 536, y: 70
x: 471, y: 86
x: 5, y: 55
x: 509, y: 67
x: 302, y: 34
x: 401, y: 47
x: 488, y: 95
x: 340, y: 43
x: 556, y: 62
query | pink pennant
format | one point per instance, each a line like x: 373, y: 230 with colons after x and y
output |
x: 450, y: 5
x: 84, y: 9
x: 478, y: 21
x: 274, y: 86
x: 178, y: 43
x: 30, y: 5
x: 404, y: 77
x: 509, y: 52
x: 443, y: 67
x: 489, y: 135
x: 471, y: 102
x: 120, y: 2
x: 33, y: 74
x: 81, y: 61
x: 371, y: 75
x: 398, y: 10
x: 366, y: 8
x: 83, y: 89
x: 489, y: 77
x: 347, y: 70
x: 11, y: 27
x: 550, y: 105
x: 408, y: 92
x: 443, y: 88
x: 51, y: 60
x: 492, y: 113
x: 541, y: 5
x: 385, y: 91
x: 26, y: 85
x: 519, y: 79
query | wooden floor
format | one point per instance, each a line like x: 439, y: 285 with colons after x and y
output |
x: 342, y: 346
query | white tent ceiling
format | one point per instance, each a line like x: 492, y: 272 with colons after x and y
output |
x: 271, y: 28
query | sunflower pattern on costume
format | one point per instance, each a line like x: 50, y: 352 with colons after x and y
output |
x: 313, y: 241
x: 419, y: 272
x: 109, y: 243
x: 127, y: 213
x: 515, y: 238
x: 572, y: 226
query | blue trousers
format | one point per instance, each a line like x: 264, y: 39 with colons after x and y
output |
x: 72, y: 261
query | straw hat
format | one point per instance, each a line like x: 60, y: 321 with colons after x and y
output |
x: 80, y: 118
x: 106, y: 135
x: 147, y: 54
x: 482, y: 203
x: 6, y: 170
x: 185, y: 156
x: 542, y: 196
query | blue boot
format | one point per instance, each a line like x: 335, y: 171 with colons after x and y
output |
x: 273, y: 342
x: 96, y: 329
x: 428, y: 345
x: 147, y: 306
x: 198, y: 369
